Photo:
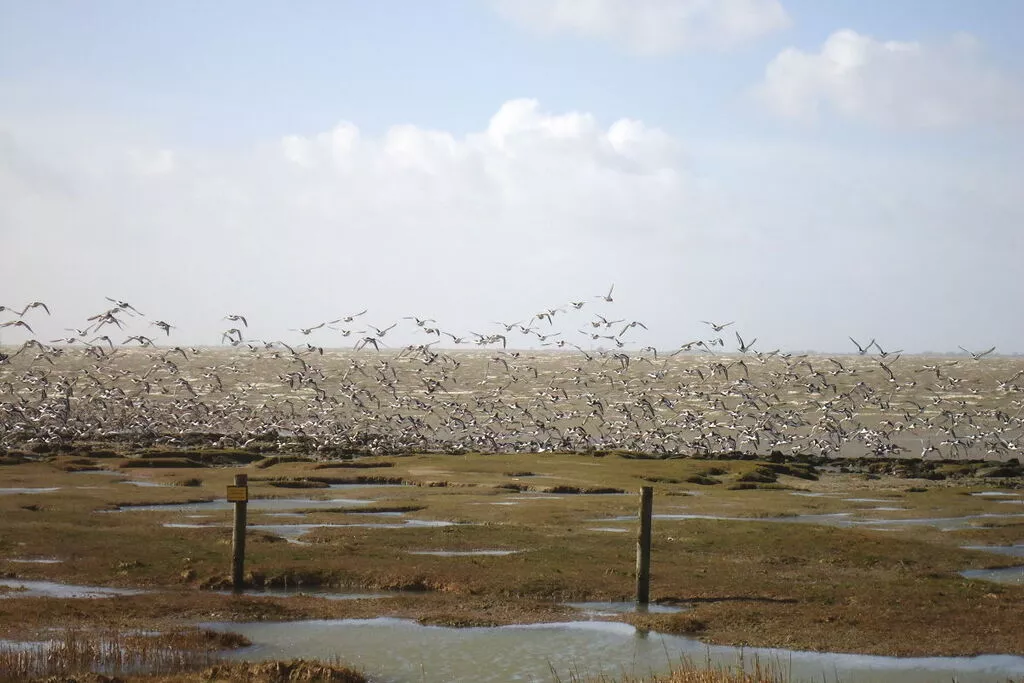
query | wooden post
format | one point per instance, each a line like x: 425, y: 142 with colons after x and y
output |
x: 643, y: 547
x: 240, y: 499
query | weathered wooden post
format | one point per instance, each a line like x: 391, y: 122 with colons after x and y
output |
x: 643, y: 547
x: 239, y: 495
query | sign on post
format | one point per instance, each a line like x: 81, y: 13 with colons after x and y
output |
x: 238, y: 494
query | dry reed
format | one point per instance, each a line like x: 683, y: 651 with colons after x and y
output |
x: 74, y: 652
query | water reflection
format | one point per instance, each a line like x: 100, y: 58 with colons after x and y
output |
x: 401, y: 651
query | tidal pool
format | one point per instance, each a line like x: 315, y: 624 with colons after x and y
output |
x: 359, y: 485
x: 50, y: 589
x: 1010, y: 575
x: 402, y: 651
x: 293, y: 532
x: 1011, y: 550
x: 254, y: 504
x: 839, y: 519
x: 40, y: 560
x: 464, y: 553
x: 869, y: 500
x: 606, y: 609
x: 293, y: 591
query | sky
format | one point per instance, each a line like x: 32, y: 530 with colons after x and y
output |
x: 811, y: 171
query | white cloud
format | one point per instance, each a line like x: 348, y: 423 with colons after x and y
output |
x: 461, y: 227
x: 532, y: 210
x: 891, y: 83
x: 152, y: 162
x: 653, y: 26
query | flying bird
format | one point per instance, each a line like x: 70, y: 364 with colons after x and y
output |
x: 18, y: 323
x: 365, y: 341
x: 979, y: 355
x: 884, y: 353
x: 308, y: 330
x: 144, y: 341
x: 863, y: 350
x: 635, y: 323
x: 744, y: 347
x: 349, y: 318
x: 230, y: 335
x: 34, y: 304
x: 123, y: 305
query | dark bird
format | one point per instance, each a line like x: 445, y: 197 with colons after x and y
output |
x: 979, y: 355
x: 308, y: 330
x: 744, y: 347
x: 123, y: 305
x: 863, y: 350
x: 35, y: 304
x: 18, y: 323
x: 349, y: 318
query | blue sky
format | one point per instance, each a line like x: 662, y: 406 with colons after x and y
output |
x: 892, y: 181
x: 238, y: 70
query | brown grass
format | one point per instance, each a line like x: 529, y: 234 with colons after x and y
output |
x: 75, y: 652
x: 689, y: 672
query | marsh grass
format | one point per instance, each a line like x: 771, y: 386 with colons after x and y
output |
x: 688, y: 671
x: 763, y: 582
x: 76, y: 652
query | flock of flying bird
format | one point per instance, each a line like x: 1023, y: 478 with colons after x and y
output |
x: 702, y: 398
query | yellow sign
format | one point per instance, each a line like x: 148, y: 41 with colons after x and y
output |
x: 238, y: 494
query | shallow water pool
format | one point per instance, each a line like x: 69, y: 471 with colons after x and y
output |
x: 401, y: 651
x: 49, y: 589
